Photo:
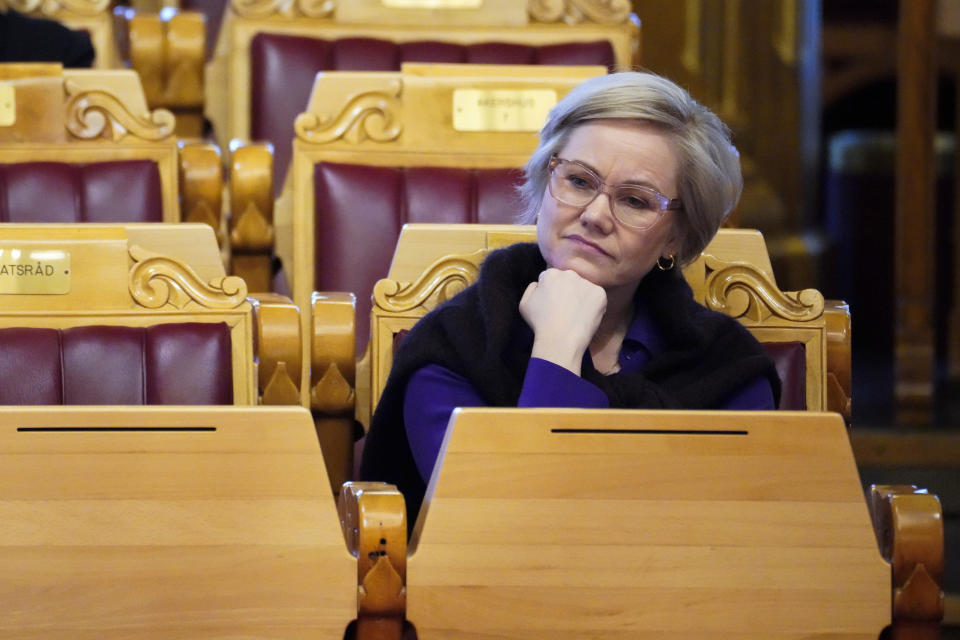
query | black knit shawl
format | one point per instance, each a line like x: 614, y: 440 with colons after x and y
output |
x: 480, y: 335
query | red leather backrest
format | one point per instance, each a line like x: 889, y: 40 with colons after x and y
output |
x: 790, y: 360
x: 360, y: 210
x: 282, y: 69
x: 179, y: 363
x: 120, y: 191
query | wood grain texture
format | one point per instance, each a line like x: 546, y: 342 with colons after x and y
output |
x: 121, y: 534
x: 762, y: 531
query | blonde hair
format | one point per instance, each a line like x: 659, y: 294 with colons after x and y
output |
x: 709, y: 179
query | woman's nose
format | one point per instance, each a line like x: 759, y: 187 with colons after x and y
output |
x: 598, y: 213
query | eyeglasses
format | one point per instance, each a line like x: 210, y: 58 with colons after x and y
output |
x: 635, y: 206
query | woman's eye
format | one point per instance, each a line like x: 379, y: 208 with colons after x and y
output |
x: 635, y: 201
x: 580, y: 182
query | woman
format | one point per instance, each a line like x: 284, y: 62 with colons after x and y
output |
x: 630, y: 181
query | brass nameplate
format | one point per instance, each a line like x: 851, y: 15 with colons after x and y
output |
x: 8, y: 105
x: 432, y: 4
x: 42, y: 271
x: 501, y: 109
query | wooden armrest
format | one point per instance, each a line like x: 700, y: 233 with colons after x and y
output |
x: 279, y: 348
x: 332, y: 376
x: 167, y: 50
x: 837, y: 315
x: 909, y: 527
x: 201, y: 185
x: 374, y: 520
x: 251, y: 214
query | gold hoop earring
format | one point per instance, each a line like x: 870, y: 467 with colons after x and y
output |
x: 665, y: 266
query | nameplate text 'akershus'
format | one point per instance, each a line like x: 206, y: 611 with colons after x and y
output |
x: 501, y: 109
x: 34, y: 271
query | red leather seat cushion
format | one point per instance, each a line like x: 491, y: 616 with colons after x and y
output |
x: 283, y: 67
x: 356, y: 235
x: 120, y: 191
x: 179, y: 363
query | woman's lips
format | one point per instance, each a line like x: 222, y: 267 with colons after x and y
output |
x: 586, y: 243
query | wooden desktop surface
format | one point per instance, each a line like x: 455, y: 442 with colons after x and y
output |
x: 649, y: 524
x: 168, y: 522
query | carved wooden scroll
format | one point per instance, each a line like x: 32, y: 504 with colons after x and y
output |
x: 289, y: 8
x: 92, y: 114
x: 373, y: 115
x: 741, y: 290
x: 577, y: 11
x: 156, y: 281
x: 445, y: 278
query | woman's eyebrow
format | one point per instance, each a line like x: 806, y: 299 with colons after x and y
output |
x: 631, y: 183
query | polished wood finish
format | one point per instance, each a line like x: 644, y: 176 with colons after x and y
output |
x: 167, y: 50
x: 374, y: 523
x: 395, y: 119
x: 914, y: 224
x: 251, y: 219
x: 909, y: 525
x: 543, y: 23
x: 117, y: 533
x: 147, y: 274
x: 693, y: 525
x: 733, y: 276
x: 332, y: 379
x: 82, y: 116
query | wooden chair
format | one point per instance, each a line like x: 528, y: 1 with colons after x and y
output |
x: 137, y: 314
x: 166, y: 49
x: 98, y: 122
x: 809, y: 338
x: 650, y: 523
x: 269, y: 51
x: 407, y: 134
x: 162, y: 522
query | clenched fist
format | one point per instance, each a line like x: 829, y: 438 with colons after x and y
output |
x: 564, y: 311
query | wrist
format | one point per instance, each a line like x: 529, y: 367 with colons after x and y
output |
x: 565, y: 355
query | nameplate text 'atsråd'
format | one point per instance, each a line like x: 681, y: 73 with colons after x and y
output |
x: 34, y: 271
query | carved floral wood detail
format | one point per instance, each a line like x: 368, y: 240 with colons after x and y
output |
x: 156, y: 280
x: 741, y: 290
x: 51, y: 8
x: 288, y: 8
x: 446, y: 278
x: 94, y: 113
x: 577, y: 11
x: 373, y: 115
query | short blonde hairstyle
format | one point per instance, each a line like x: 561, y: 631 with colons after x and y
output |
x: 709, y: 179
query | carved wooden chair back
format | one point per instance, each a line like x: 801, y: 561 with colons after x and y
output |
x: 428, y: 140
x: 263, y: 42
x: 160, y: 522
x: 165, y: 49
x: 94, y: 132
x: 164, y: 278
x: 733, y: 275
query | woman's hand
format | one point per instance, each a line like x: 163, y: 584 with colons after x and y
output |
x: 564, y: 311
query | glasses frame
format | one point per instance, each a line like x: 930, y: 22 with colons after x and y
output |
x: 666, y: 204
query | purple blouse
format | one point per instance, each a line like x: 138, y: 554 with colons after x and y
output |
x: 433, y: 391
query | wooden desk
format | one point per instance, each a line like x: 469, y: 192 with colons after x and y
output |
x: 168, y: 522
x: 646, y: 524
